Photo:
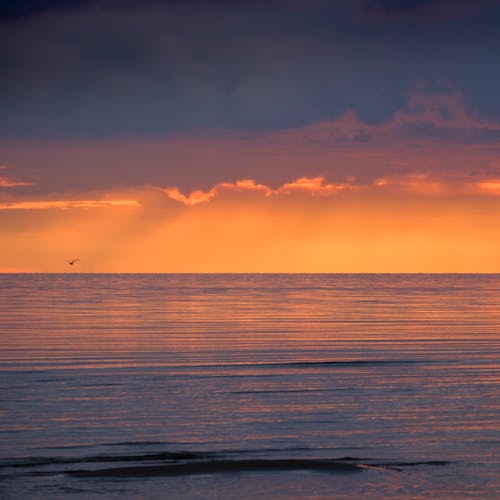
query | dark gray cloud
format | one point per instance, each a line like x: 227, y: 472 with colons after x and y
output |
x: 13, y: 9
x: 124, y: 67
x: 425, y: 9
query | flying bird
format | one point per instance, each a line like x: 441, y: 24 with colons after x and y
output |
x: 71, y: 262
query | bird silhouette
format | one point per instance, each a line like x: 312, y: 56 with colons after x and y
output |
x: 71, y: 262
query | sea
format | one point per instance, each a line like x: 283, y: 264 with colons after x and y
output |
x: 249, y: 386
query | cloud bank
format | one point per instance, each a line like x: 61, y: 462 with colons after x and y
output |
x: 436, y: 134
x: 112, y: 68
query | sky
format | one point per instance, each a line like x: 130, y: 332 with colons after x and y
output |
x: 249, y: 136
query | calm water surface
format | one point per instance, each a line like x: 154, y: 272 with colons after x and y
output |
x: 249, y: 386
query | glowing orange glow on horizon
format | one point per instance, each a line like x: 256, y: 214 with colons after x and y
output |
x: 413, y: 223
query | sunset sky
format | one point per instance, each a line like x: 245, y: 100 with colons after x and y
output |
x: 250, y: 136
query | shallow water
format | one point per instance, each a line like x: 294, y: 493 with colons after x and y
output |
x: 245, y: 386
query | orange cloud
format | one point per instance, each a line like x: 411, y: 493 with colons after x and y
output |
x: 491, y: 186
x: 313, y: 186
x: 5, y: 182
x: 197, y: 196
x: 194, y: 198
x: 413, y: 183
x: 65, y: 204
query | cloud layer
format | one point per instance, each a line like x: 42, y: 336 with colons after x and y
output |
x: 401, y: 185
x: 66, y: 204
x: 107, y: 68
x: 435, y: 134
